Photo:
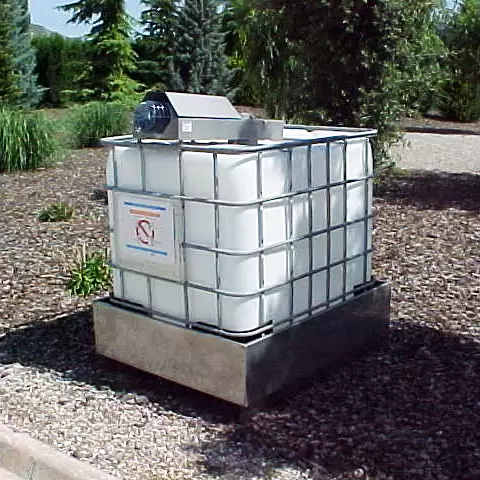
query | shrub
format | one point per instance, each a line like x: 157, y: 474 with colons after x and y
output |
x: 27, y: 140
x: 461, y: 100
x: 61, y: 65
x: 93, y: 121
x: 56, y: 212
x: 358, y: 64
x: 90, y: 274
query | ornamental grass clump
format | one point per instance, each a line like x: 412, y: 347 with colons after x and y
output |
x: 93, y: 121
x: 27, y: 140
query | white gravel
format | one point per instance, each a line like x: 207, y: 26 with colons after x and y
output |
x: 434, y: 151
x: 408, y: 411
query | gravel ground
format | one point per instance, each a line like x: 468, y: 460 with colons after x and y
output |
x: 408, y: 410
x: 435, y: 151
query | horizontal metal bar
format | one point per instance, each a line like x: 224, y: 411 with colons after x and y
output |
x: 327, y: 305
x: 227, y: 293
x: 235, y: 149
x: 274, y: 247
x: 178, y: 321
x: 224, y: 203
x: 312, y: 128
x: 227, y: 333
x: 301, y: 142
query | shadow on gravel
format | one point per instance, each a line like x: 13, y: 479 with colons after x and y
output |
x: 432, y: 190
x: 66, y: 345
x: 408, y: 410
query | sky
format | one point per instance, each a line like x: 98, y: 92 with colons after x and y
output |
x: 43, y: 12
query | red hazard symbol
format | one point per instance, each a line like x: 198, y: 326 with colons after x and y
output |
x: 144, y: 232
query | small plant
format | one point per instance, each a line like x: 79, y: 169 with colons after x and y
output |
x: 27, y: 140
x: 57, y: 212
x: 91, y: 273
x: 93, y: 121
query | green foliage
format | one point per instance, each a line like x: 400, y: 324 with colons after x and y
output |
x: 60, y: 67
x: 268, y: 67
x: 57, y: 212
x: 361, y: 63
x: 93, y: 121
x: 18, y: 83
x: 27, y: 140
x: 461, y: 34
x: 199, y: 63
x: 90, y: 274
x: 112, y: 56
x: 155, y: 47
x: 8, y: 79
x: 24, y: 55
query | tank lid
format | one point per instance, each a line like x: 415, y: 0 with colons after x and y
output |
x: 192, y: 105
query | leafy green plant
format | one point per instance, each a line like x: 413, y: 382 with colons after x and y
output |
x: 57, y: 212
x: 91, y: 273
x: 61, y: 65
x: 27, y: 140
x: 357, y: 64
x: 93, y: 121
x: 461, y: 34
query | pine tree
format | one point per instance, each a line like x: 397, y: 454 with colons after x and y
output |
x: 18, y: 83
x: 24, y: 55
x: 112, y: 57
x: 8, y: 80
x: 155, y: 47
x: 200, y: 64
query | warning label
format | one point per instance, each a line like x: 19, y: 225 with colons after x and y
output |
x: 147, y: 229
x: 145, y: 232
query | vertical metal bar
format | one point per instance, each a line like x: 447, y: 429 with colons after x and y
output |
x: 329, y: 223
x: 345, y: 195
x: 115, y: 219
x: 366, y: 211
x: 261, y: 273
x: 217, y: 240
x: 143, y: 168
x: 290, y: 228
x: 181, y: 180
x: 310, y: 229
x: 143, y: 175
x: 149, y: 296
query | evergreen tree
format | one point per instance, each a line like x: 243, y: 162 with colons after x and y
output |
x: 8, y: 80
x: 112, y: 54
x: 200, y: 64
x: 24, y: 55
x: 155, y: 47
x: 18, y: 83
x: 60, y: 66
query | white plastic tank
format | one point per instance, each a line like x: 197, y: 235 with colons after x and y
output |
x: 217, y: 237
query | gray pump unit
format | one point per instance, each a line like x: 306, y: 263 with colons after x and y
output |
x: 186, y: 116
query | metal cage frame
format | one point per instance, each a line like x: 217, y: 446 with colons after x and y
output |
x: 343, y: 137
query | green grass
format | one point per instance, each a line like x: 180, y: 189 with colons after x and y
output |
x: 57, y: 212
x: 89, y: 123
x: 90, y: 274
x: 27, y: 140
